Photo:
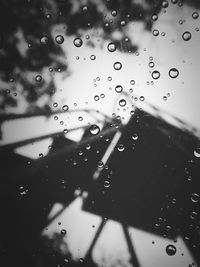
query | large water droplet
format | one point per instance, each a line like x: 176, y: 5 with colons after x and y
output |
x: 78, y: 42
x: 171, y: 250
x: 94, y: 129
x: 59, y: 39
x: 111, y: 47
x: 117, y: 65
x: 165, y: 4
x: 186, y: 36
x: 155, y: 32
x: 121, y: 147
x: 173, y: 73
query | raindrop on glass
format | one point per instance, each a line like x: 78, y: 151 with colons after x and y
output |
x: 111, y: 47
x: 44, y: 40
x: 118, y: 88
x: 155, y: 74
x: 173, y: 73
x: 65, y: 107
x: 78, y: 42
x: 197, y: 152
x: 195, y: 15
x: 38, y: 78
x: 186, y: 36
x: 117, y: 65
x: 59, y: 39
x: 171, y: 250
x: 63, y: 232
x: 94, y: 129
x: 195, y: 197
x: 155, y: 32
x: 122, y: 102
x: 92, y: 57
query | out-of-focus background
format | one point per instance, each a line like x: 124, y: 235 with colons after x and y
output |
x: 79, y: 80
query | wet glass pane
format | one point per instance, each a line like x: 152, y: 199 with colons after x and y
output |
x: 99, y: 133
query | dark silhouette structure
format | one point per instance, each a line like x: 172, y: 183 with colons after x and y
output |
x: 147, y: 183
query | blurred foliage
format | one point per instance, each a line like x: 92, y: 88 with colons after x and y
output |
x: 28, y: 46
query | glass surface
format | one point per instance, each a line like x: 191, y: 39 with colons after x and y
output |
x: 100, y: 133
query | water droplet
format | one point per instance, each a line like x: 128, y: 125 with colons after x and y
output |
x: 117, y: 65
x: 111, y: 47
x: 78, y: 42
x: 155, y: 74
x: 118, y: 88
x: 121, y: 147
x: 80, y: 118
x: 154, y: 17
x: 151, y: 64
x: 44, y: 40
x: 38, y: 78
x: 165, y: 4
x: 65, y: 131
x: 122, y: 23
x: 96, y: 98
x: 114, y: 13
x: 171, y: 250
x: 186, y: 36
x: 92, y: 57
x: 85, y: 8
x: 65, y: 107
x: 142, y: 98
x: 23, y: 191
x: 122, y: 102
x: 173, y: 73
x: 59, y: 39
x: 164, y: 97
x: 197, y: 152
x: 155, y: 32
x: 81, y: 260
x: 100, y: 164
x: 106, y: 184
x: 195, y: 197
x: 135, y: 137
x: 132, y: 82
x: 193, y: 215
x: 55, y: 104
x: 94, y: 129
x: 63, y: 232
x: 195, y: 15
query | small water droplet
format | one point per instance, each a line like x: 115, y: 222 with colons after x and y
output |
x: 44, y: 40
x: 118, y: 89
x: 121, y: 147
x: 197, y: 152
x: 117, y: 65
x: 122, y: 102
x: 155, y: 74
x: 92, y: 57
x: 59, y: 39
x: 154, y: 17
x: 63, y: 232
x: 195, y: 15
x: 132, y: 82
x: 195, y: 197
x: 106, y: 184
x: 38, y: 78
x: 155, y: 32
x: 65, y: 107
x: 114, y: 13
x: 111, y: 47
x: 165, y: 4
x: 186, y: 36
x: 78, y: 42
